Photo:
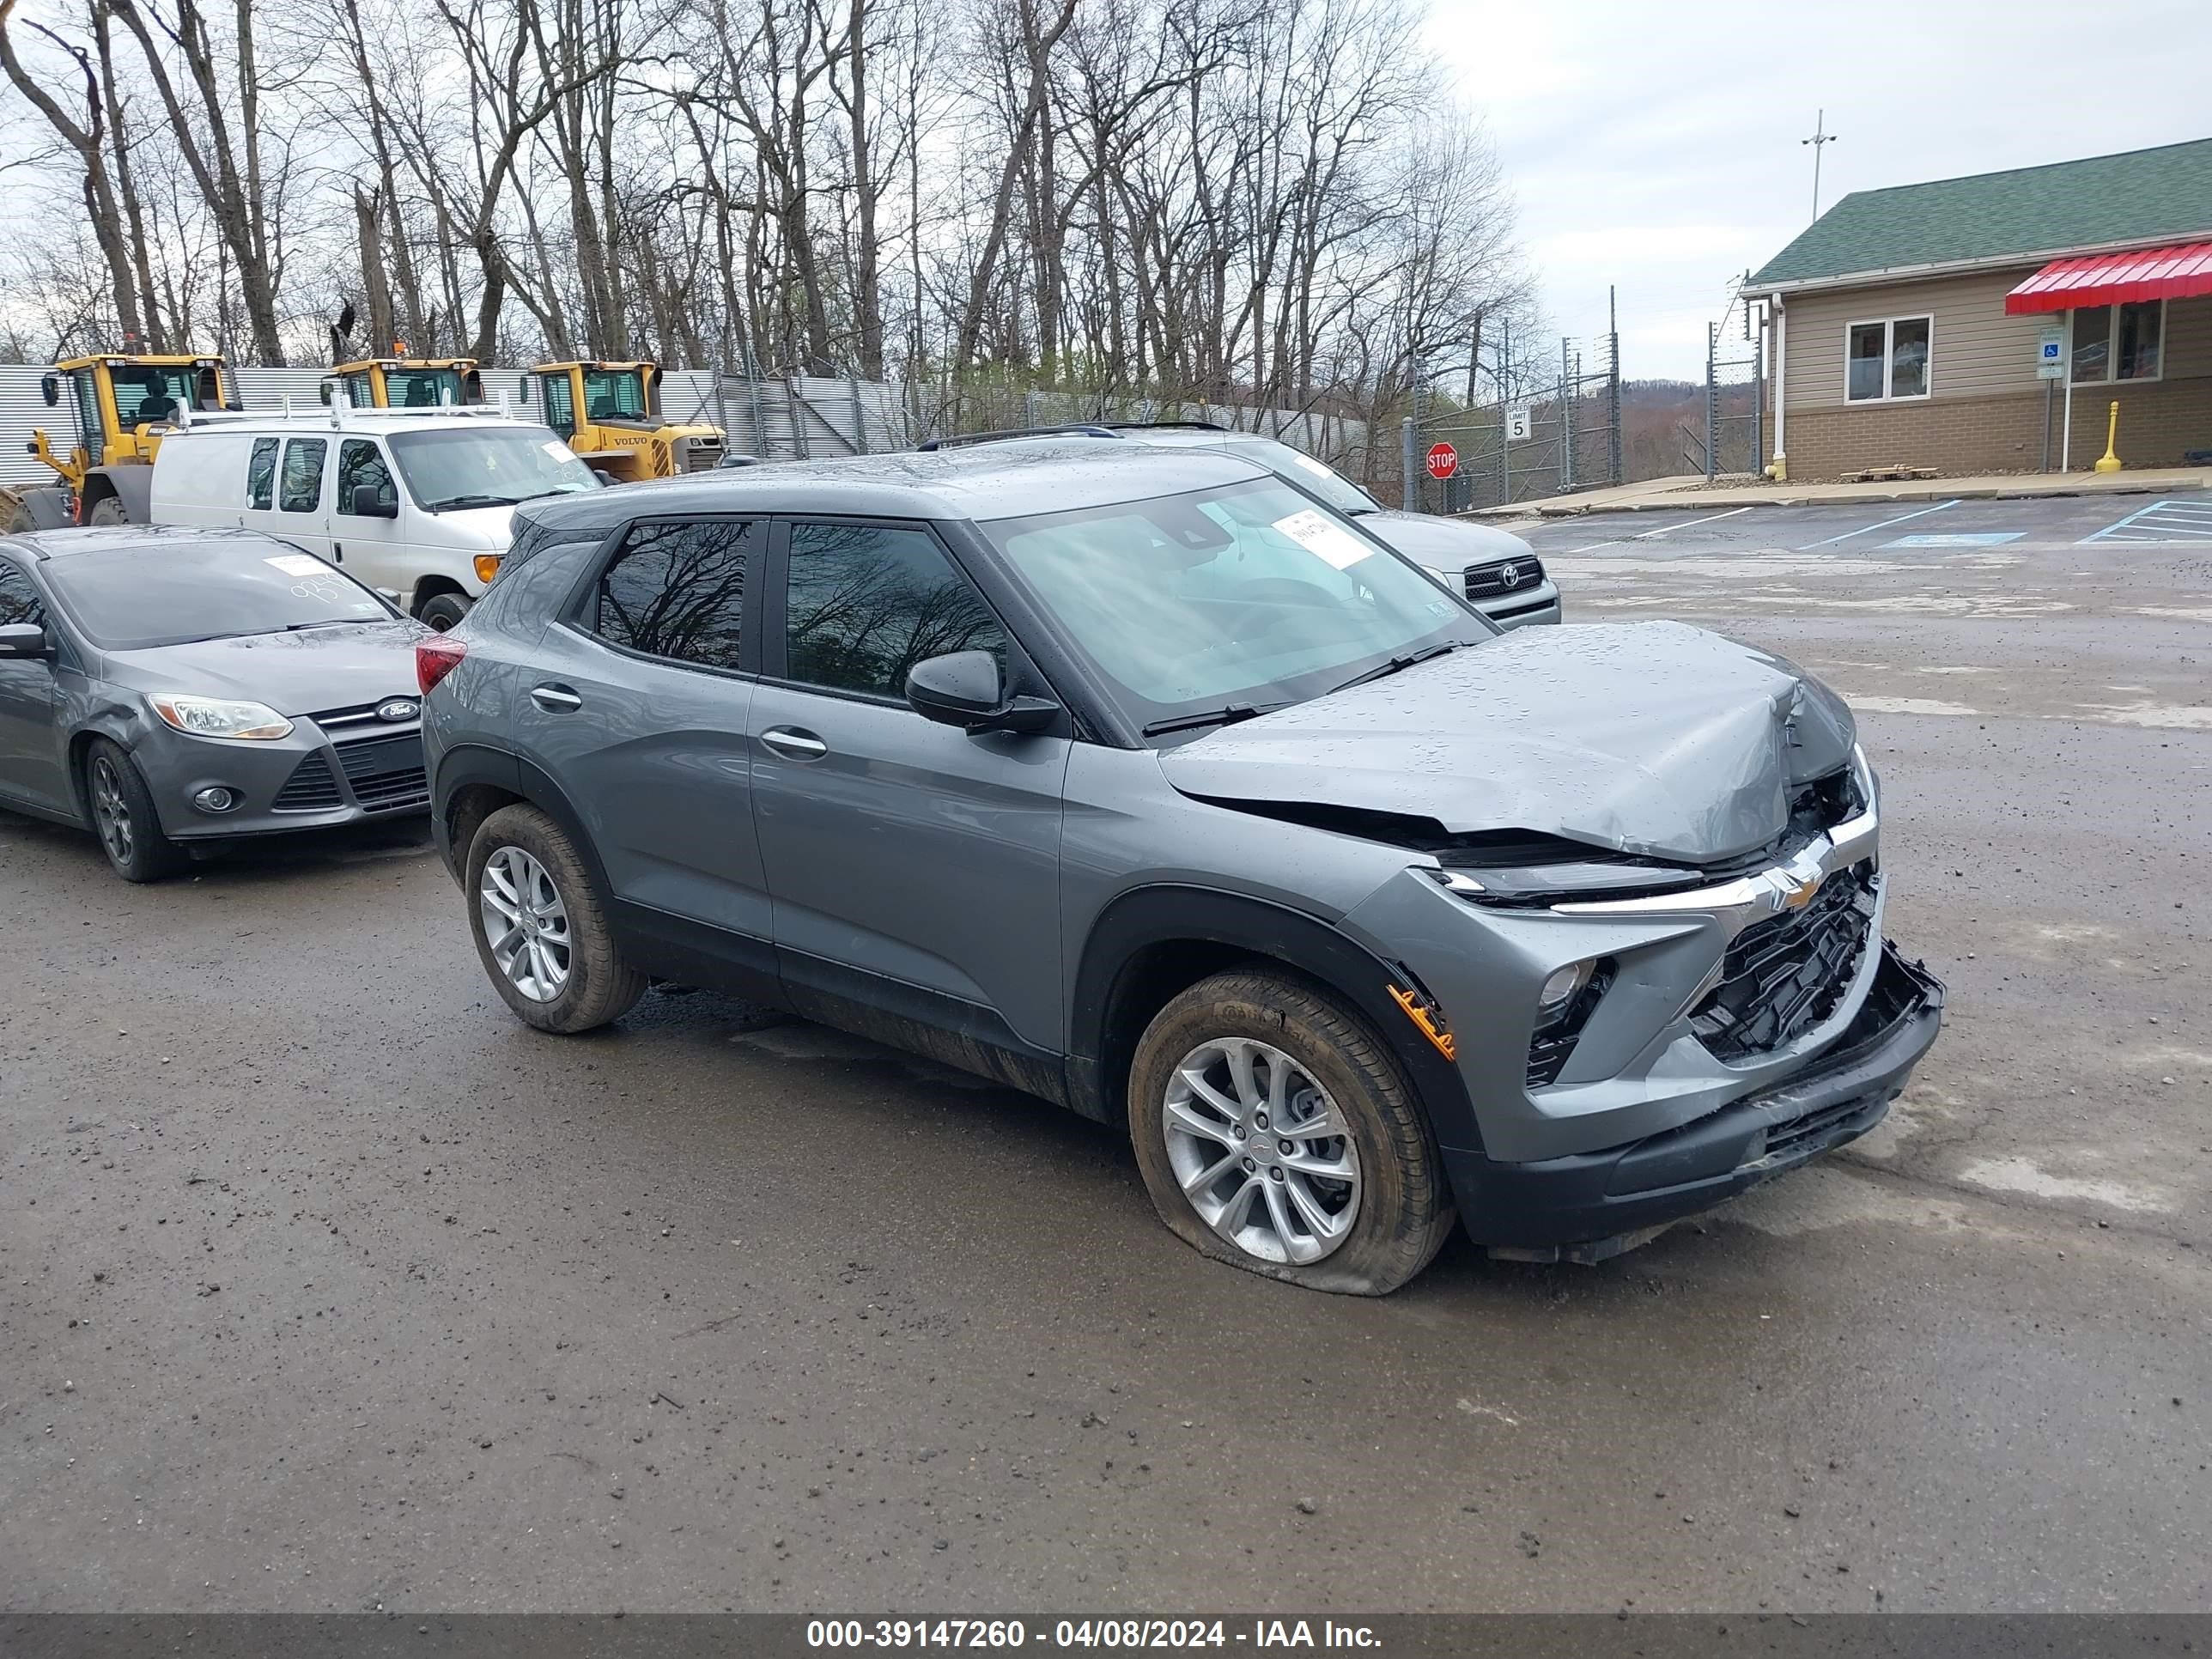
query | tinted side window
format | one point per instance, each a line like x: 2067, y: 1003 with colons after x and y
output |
x: 679, y: 591
x: 559, y: 407
x: 865, y: 603
x: 19, y: 600
x: 361, y: 462
x: 302, y: 489
x: 261, y: 475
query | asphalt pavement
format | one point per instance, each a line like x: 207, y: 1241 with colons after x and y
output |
x: 326, y: 1284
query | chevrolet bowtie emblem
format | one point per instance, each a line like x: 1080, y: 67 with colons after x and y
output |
x: 1799, y: 893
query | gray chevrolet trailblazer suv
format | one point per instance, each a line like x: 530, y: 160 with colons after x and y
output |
x: 1149, y: 784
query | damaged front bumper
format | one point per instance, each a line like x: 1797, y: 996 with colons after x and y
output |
x: 1590, y: 1206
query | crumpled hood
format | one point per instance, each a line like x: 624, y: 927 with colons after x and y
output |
x: 298, y: 673
x: 1446, y: 544
x: 1654, y: 738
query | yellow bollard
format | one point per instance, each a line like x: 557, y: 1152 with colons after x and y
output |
x: 2109, y: 461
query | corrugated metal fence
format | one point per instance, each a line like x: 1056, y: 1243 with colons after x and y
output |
x: 783, y: 418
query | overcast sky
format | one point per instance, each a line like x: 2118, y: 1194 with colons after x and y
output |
x: 1657, y: 146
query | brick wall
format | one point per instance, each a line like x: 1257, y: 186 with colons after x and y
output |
x: 2158, y: 423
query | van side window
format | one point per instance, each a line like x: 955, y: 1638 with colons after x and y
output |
x: 261, y: 476
x: 361, y: 462
x: 302, y: 489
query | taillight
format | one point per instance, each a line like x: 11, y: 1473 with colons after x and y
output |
x: 437, y: 655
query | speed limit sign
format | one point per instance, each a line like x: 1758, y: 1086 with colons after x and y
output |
x: 1443, y: 461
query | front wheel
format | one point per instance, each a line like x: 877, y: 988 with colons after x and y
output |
x: 109, y: 509
x: 441, y: 611
x: 1275, y: 1133
x: 123, y: 815
x: 541, y: 928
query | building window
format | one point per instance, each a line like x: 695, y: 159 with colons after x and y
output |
x: 2118, y: 342
x: 1887, y: 359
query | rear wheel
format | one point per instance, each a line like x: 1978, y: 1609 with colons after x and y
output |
x: 442, y: 610
x: 541, y: 927
x: 1275, y: 1133
x: 122, y: 816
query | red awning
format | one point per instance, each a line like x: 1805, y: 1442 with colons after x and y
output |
x: 2103, y: 279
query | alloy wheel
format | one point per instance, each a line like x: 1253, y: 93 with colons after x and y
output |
x: 526, y: 923
x: 110, y: 811
x: 1261, y: 1150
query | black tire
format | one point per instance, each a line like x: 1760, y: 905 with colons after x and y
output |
x: 123, y: 819
x: 1405, y: 1207
x: 601, y: 986
x: 19, y: 521
x: 441, y: 611
x: 109, y: 509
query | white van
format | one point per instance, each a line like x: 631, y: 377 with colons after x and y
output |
x: 417, y: 501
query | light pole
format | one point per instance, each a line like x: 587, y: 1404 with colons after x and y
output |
x: 1822, y: 137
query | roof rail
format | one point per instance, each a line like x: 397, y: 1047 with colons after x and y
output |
x: 1168, y: 426
x: 1078, y: 430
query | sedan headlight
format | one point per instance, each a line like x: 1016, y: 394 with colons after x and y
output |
x: 218, y: 717
x: 1447, y: 580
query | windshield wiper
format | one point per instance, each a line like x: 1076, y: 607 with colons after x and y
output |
x: 333, y: 622
x: 1225, y: 716
x: 471, y: 500
x: 1399, y: 664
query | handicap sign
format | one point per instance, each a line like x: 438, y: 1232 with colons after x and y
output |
x: 2051, y: 355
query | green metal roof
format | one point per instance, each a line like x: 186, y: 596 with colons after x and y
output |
x: 2143, y: 196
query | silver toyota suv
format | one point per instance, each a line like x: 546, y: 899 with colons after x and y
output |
x: 1149, y: 784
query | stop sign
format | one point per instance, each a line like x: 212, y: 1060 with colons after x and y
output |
x: 1443, y: 461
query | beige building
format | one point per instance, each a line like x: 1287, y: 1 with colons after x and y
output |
x: 1988, y: 324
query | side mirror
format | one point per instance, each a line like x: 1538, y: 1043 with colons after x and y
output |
x: 50, y: 388
x: 964, y: 688
x: 22, y: 640
x: 604, y: 476
x: 368, y: 502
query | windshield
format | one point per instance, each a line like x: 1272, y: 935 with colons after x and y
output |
x: 169, y: 592
x: 613, y: 394
x: 1240, y: 594
x: 1314, y: 477
x: 145, y: 395
x: 422, y: 388
x: 487, y: 466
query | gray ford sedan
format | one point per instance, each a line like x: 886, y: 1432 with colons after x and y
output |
x: 166, y: 687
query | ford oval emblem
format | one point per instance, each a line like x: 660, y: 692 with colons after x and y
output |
x: 399, y: 708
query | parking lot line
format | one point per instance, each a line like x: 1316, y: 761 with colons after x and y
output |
x: 1665, y: 529
x: 1883, y: 525
x: 2162, y: 521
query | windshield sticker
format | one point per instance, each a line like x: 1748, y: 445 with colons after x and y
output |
x: 296, y: 564
x: 1318, y: 469
x: 558, y: 450
x: 1318, y: 536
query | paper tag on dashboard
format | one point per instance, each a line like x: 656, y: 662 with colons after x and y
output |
x: 558, y: 450
x: 298, y: 564
x: 1318, y: 536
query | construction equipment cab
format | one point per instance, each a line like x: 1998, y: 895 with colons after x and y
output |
x: 610, y: 413
x: 120, y: 409
x: 408, y: 383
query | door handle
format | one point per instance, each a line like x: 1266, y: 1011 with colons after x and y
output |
x: 555, y: 699
x: 793, y: 744
x: 338, y: 553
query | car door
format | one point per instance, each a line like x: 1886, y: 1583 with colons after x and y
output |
x: 302, y: 489
x: 637, y: 702
x: 912, y: 867
x: 372, y: 549
x: 33, y: 771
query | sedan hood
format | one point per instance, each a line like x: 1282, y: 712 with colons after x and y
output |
x: 340, y: 666
x: 1446, y: 543
x: 1653, y: 738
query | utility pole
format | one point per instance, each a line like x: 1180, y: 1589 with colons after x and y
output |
x: 1820, y: 139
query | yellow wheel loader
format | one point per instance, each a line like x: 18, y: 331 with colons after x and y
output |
x: 408, y: 383
x: 609, y: 414
x: 119, y: 407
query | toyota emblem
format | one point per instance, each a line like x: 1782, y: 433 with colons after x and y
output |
x: 1509, y: 572
x: 399, y: 708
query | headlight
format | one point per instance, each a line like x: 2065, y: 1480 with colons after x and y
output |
x: 214, y: 717
x: 1447, y: 580
x: 1561, y: 989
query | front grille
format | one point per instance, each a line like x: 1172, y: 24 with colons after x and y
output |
x: 311, y: 789
x: 1501, y: 576
x: 703, y: 455
x: 359, y: 714
x: 1783, y: 975
x: 385, y: 772
x: 1815, y: 1126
